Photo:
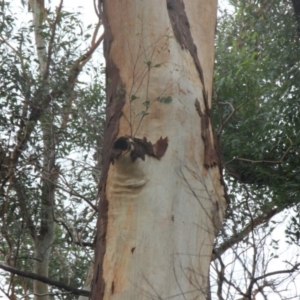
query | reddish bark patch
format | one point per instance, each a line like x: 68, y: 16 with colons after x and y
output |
x: 211, y: 157
x: 115, y: 101
x: 138, y: 148
x: 182, y: 32
x: 160, y: 147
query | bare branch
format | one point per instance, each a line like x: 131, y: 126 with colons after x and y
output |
x: 46, y: 280
x: 242, y: 234
x: 263, y: 160
x: 233, y: 111
x: 289, y: 271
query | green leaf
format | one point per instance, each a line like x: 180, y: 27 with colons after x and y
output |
x: 143, y: 113
x: 146, y: 103
x: 133, y: 97
x: 148, y: 63
x: 165, y: 100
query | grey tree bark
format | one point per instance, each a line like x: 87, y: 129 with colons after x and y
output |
x: 44, y: 237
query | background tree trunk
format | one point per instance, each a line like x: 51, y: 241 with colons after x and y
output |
x: 88, y: 281
x: 162, y: 196
x: 43, y: 237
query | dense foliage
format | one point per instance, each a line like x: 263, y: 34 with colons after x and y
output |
x: 256, y: 115
x: 51, y: 135
x: 257, y: 106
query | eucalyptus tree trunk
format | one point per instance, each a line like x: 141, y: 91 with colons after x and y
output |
x: 44, y: 235
x: 162, y: 196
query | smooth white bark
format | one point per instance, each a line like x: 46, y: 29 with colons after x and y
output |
x: 162, y: 213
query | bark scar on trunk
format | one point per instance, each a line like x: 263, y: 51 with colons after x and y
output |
x: 138, y: 148
x: 112, y: 287
x: 211, y: 157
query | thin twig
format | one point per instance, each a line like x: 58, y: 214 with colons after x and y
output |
x: 233, y: 111
x: 263, y: 160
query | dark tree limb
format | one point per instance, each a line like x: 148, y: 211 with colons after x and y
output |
x: 43, y: 279
x: 217, y: 252
x: 289, y: 271
x: 296, y: 6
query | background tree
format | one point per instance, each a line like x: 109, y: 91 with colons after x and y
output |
x: 257, y: 122
x: 47, y: 195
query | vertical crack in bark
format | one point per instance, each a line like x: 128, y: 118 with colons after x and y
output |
x: 182, y: 32
x: 116, y: 97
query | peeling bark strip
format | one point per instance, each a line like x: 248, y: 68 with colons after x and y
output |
x: 115, y: 96
x: 182, y: 32
x: 138, y: 148
x: 211, y: 157
x: 113, y: 113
